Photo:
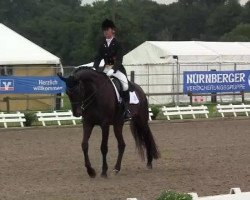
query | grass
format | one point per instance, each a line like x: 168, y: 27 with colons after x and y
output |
x: 66, y: 103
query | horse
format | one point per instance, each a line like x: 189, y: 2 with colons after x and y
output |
x: 92, y: 96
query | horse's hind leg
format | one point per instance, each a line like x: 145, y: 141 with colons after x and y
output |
x: 121, y: 146
x: 104, y: 149
x: 85, y: 146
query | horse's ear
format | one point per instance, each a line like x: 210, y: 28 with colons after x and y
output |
x: 61, y: 77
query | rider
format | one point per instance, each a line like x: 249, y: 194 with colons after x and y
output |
x: 111, y: 51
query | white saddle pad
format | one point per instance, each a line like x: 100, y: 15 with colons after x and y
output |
x: 133, y: 97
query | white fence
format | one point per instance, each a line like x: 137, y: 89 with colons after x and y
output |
x: 150, y: 114
x: 235, y: 194
x: 167, y: 111
x: 65, y: 116
x: 188, y: 110
x: 12, y: 118
x: 222, y: 109
x: 57, y: 116
x: 18, y: 117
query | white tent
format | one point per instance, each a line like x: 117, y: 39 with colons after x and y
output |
x: 157, y: 71
x: 21, y: 57
x: 17, y: 50
x: 189, y: 52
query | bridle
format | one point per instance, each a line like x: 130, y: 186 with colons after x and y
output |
x: 89, y: 100
x: 84, y: 104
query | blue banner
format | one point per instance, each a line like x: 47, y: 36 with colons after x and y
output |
x: 216, y: 81
x: 31, y: 85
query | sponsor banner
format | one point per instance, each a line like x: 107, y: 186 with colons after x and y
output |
x: 31, y: 85
x: 216, y: 81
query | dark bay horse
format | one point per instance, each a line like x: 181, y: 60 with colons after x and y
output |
x: 93, y: 97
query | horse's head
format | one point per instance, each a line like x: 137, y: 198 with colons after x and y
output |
x: 81, y: 84
x: 74, y: 93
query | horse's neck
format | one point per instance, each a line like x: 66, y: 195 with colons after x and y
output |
x: 93, y: 83
x: 89, y: 89
x: 100, y: 90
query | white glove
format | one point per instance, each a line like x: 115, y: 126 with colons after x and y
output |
x: 110, y: 72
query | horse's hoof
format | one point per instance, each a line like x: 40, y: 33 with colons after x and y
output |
x: 116, y: 171
x: 104, y: 175
x: 91, y: 173
x: 149, y: 166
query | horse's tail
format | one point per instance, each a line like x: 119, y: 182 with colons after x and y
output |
x: 143, y: 137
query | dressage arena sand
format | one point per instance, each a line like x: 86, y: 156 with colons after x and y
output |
x: 208, y: 157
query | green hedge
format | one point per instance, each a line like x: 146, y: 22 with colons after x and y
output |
x: 155, y: 110
x: 30, y: 118
x: 170, y: 195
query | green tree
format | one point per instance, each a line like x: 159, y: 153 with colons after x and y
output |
x: 245, y: 17
x: 224, y: 18
x: 240, y: 33
x: 72, y: 32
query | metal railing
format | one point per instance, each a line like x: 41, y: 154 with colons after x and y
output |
x: 151, y: 80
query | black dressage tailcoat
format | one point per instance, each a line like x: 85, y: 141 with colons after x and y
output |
x: 112, y: 55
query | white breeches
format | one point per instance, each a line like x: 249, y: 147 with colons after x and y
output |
x: 122, y: 78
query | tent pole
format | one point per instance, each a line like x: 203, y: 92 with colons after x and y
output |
x: 235, y: 68
x: 148, y: 83
x: 178, y: 80
x: 176, y: 58
x: 173, y: 88
x: 132, y: 76
x: 178, y: 83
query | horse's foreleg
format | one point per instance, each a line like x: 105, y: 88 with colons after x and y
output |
x: 121, y: 146
x: 85, y: 147
x: 104, y: 149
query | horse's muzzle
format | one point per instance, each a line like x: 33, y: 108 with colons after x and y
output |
x: 77, y: 113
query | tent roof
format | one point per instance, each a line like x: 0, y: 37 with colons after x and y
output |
x: 17, y: 50
x: 156, y: 52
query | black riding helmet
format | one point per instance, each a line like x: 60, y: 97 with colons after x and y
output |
x: 106, y: 24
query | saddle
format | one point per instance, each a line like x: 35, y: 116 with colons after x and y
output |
x: 118, y: 89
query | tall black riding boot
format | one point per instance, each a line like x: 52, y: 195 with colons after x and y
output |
x: 127, y: 114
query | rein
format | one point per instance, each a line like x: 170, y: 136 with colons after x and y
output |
x: 84, y: 105
x: 88, y: 101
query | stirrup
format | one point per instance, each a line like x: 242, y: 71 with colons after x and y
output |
x: 127, y: 115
